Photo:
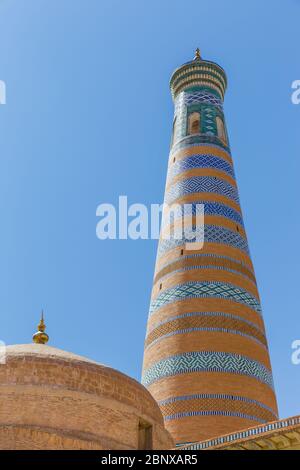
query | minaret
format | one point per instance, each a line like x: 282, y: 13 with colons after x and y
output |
x: 206, y: 359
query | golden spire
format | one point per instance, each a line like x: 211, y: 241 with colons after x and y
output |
x: 197, y: 54
x: 40, y: 337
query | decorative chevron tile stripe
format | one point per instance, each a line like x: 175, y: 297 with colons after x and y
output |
x: 182, y: 406
x: 215, y: 413
x: 200, y: 161
x: 205, y: 266
x: 202, y: 322
x: 200, y: 256
x: 210, y: 208
x: 212, y: 234
x: 221, y: 315
x: 216, y: 396
x: 205, y: 289
x: 207, y: 361
x: 182, y: 264
x: 201, y: 184
x: 204, y: 329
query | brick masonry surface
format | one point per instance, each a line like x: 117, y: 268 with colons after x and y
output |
x: 51, y: 399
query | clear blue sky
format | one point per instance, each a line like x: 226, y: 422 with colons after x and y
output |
x: 88, y: 118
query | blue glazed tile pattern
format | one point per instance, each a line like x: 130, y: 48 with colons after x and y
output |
x: 207, y: 361
x: 201, y: 184
x: 212, y: 329
x: 200, y: 161
x: 205, y: 266
x: 216, y: 396
x: 205, y: 289
x: 210, y: 208
x: 202, y: 96
x: 212, y: 234
x: 206, y: 314
x: 208, y: 329
x: 201, y: 255
x: 235, y: 414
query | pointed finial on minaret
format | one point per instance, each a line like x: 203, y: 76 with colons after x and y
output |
x: 40, y: 337
x: 197, y: 54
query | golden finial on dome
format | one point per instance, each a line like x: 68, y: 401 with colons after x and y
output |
x: 40, y: 337
x: 197, y: 54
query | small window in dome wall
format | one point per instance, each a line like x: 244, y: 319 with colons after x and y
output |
x: 221, y: 129
x: 145, y: 439
x: 194, y: 123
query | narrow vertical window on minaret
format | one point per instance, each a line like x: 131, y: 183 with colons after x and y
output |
x: 206, y: 359
x: 174, y: 130
x: 221, y: 129
x: 194, y: 123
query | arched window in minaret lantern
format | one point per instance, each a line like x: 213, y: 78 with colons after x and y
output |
x: 221, y: 129
x: 194, y: 123
x: 174, y: 131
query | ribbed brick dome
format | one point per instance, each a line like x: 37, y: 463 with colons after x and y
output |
x: 58, y: 400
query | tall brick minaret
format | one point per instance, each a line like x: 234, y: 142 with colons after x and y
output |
x: 206, y: 358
